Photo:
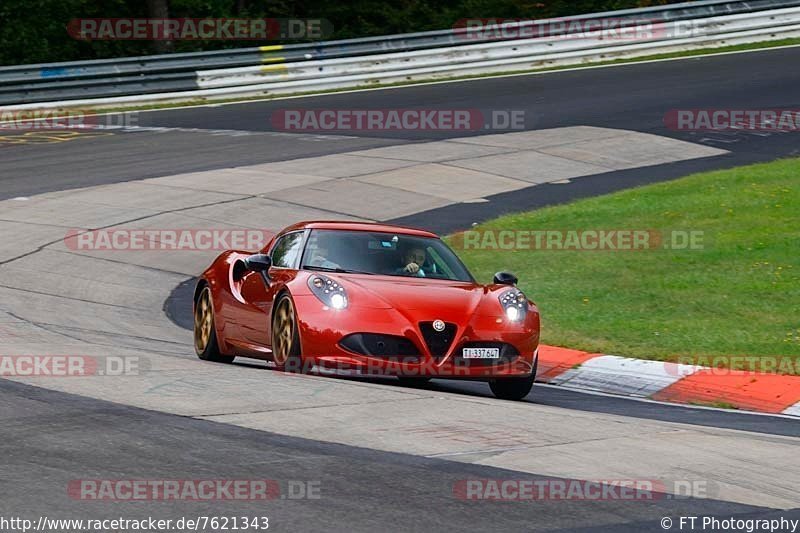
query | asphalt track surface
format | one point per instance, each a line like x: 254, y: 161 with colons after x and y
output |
x: 52, y: 437
x: 55, y: 435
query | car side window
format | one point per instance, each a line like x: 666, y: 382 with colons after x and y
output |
x: 287, y: 250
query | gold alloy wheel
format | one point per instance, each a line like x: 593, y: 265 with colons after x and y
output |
x: 283, y: 331
x: 203, y: 321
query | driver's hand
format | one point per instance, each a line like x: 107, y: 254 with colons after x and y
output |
x: 412, y: 268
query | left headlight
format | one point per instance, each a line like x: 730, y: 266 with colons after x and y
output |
x: 329, y: 292
x: 515, y: 305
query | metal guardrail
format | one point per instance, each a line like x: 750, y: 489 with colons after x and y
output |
x: 529, y: 53
x: 334, y: 64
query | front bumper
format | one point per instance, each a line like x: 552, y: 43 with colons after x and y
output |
x: 321, y: 346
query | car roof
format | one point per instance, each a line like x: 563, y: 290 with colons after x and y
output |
x: 360, y: 226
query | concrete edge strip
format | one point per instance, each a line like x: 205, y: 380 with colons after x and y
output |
x: 670, y: 382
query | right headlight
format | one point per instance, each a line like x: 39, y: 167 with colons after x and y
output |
x: 515, y: 305
x: 329, y: 292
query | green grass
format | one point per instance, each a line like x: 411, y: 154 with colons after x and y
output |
x: 718, y: 405
x: 737, y: 296
x: 671, y: 55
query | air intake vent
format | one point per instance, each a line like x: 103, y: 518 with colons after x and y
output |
x: 384, y: 346
x: 438, y: 342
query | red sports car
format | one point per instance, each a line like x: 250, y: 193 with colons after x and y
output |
x: 369, y: 299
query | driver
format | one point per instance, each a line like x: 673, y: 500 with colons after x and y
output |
x: 413, y: 260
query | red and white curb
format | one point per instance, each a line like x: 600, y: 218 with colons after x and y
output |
x: 670, y: 382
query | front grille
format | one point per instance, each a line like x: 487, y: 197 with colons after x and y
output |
x: 438, y: 342
x: 508, y: 354
x: 389, y: 347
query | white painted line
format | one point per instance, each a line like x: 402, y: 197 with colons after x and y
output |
x: 793, y: 410
x: 621, y: 375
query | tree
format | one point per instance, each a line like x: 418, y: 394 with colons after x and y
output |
x: 159, y: 9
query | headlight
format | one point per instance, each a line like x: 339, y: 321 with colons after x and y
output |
x: 515, y: 305
x: 329, y: 292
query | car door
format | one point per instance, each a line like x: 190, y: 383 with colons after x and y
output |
x: 260, y: 288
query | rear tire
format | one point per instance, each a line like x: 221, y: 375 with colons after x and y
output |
x: 205, y: 335
x: 286, y: 353
x: 512, y: 388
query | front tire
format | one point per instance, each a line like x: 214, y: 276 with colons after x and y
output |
x: 205, y: 335
x: 512, y: 388
x: 286, y: 336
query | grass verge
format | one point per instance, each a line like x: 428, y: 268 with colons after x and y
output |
x: 737, y: 295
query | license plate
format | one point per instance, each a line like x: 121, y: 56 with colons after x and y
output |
x: 481, y: 353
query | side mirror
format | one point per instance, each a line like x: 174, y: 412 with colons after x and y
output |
x: 505, y: 278
x: 258, y: 262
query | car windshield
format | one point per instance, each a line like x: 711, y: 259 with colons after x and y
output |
x: 389, y: 254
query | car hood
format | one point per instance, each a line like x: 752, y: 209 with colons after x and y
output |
x: 448, y: 300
